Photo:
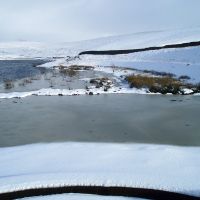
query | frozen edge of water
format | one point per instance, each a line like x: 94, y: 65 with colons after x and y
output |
x: 67, y: 92
x: 76, y: 92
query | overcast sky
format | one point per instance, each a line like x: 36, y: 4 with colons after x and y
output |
x: 70, y: 20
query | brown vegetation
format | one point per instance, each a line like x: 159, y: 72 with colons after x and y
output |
x: 68, y: 71
x: 73, y: 69
x: 8, y: 84
x: 156, y: 84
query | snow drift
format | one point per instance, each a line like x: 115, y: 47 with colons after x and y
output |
x: 162, y: 167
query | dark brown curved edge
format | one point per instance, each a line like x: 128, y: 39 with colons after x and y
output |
x: 98, y: 190
x: 116, y: 52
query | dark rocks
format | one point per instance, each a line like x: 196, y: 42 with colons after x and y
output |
x: 101, y: 82
x: 105, y: 89
x: 184, y: 77
x: 156, y: 73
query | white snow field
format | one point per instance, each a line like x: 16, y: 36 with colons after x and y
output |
x: 179, y: 61
x: 169, y: 168
x: 184, y: 61
x: 26, y: 49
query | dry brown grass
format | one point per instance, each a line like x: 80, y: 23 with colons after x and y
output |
x: 145, y: 81
x: 197, y: 87
x: 80, y: 67
x: 68, y: 72
x: 73, y: 70
x: 156, y: 84
x: 8, y: 84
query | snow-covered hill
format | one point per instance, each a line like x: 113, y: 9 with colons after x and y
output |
x: 27, y: 49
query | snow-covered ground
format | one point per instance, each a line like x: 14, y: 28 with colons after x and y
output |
x: 25, y: 49
x: 184, y: 61
x: 162, y: 167
x: 180, y: 62
x: 67, y: 92
x: 75, y: 92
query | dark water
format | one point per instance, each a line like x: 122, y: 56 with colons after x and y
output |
x: 23, y: 76
x: 105, y: 118
x: 18, y: 69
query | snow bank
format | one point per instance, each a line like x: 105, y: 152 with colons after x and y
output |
x: 66, y: 92
x: 76, y: 92
x: 162, y: 167
x: 187, y: 91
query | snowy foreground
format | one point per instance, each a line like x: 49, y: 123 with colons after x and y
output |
x: 162, y: 167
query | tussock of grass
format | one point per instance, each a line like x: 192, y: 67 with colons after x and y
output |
x: 68, y: 71
x: 8, y: 84
x: 198, y: 86
x: 76, y: 67
x: 155, y: 84
x: 25, y: 82
x: 73, y: 70
x: 145, y: 81
x: 81, y: 67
